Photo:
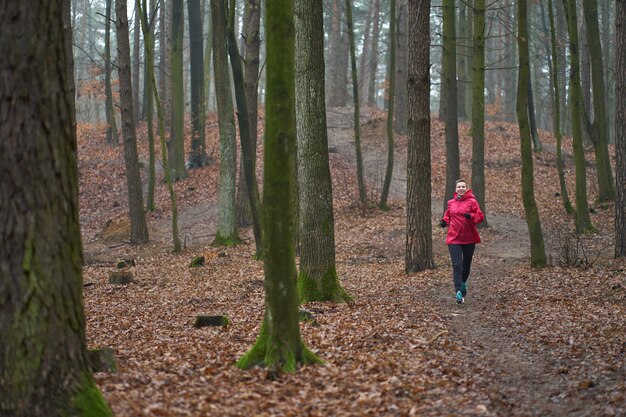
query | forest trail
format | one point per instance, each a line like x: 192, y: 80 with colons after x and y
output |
x: 521, y: 380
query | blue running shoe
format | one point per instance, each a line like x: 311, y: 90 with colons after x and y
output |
x: 464, y: 289
x: 459, y: 298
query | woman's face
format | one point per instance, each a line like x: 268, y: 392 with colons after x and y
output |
x: 461, y: 188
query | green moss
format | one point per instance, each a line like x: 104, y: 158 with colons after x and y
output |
x: 89, y: 402
x: 225, y: 240
x: 197, y: 262
x: 325, y: 289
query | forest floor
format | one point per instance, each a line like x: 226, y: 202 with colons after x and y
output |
x: 526, y: 342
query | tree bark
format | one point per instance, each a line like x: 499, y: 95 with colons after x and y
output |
x: 390, y: 110
x: 478, y: 108
x: 620, y: 129
x: 400, y: 112
x: 197, y: 153
x: 176, y: 143
x: 136, y: 66
x: 583, y: 222
x: 537, y: 250
x: 43, y: 353
x: 357, y: 117
x: 600, y: 135
x: 111, y: 133
x: 557, y: 110
x: 419, y: 245
x: 317, y: 279
x: 138, y: 227
x: 149, y: 101
x: 448, y: 100
x: 227, y: 233
x: 279, y: 345
x: 373, y: 70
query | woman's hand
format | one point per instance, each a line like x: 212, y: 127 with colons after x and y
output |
x: 468, y: 216
x: 443, y: 223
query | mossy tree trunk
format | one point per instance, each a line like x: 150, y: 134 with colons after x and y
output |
x: 357, y: 117
x: 557, y: 119
x: 478, y: 107
x: 600, y: 128
x: 620, y: 129
x: 43, y: 352
x: 583, y: 222
x: 176, y: 143
x: 419, y: 243
x: 317, y: 280
x: 197, y: 153
x: 138, y: 226
x: 227, y: 233
x: 279, y: 345
x: 448, y: 108
x: 537, y: 250
x: 384, y: 194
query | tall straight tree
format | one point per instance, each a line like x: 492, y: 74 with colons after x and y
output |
x: 279, y: 345
x: 557, y: 120
x: 402, y: 36
x: 583, y: 222
x: 537, y: 250
x: 227, y: 233
x: 373, y: 69
x: 357, y: 107
x: 600, y: 127
x: 149, y: 100
x: 448, y: 109
x: 136, y: 64
x: 478, y: 107
x: 392, y: 87
x: 317, y: 279
x: 176, y: 144
x: 419, y: 241
x: 197, y: 153
x: 620, y: 129
x: 111, y: 132
x: 43, y: 350
x: 138, y: 227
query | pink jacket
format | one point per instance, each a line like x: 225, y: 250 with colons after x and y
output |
x: 462, y: 230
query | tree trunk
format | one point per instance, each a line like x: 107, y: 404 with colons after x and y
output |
x: 161, y: 120
x: 478, y: 108
x: 112, y: 137
x: 585, y: 68
x: 401, y: 69
x: 149, y: 103
x: 583, y: 222
x: 176, y: 143
x: 557, y: 111
x: 207, y: 62
x: 197, y: 153
x: 537, y: 250
x: 43, y: 354
x: 357, y: 117
x: 317, y: 280
x: 334, y: 65
x: 510, y: 63
x: 252, y: 39
x: 365, y: 56
x: 138, y: 227
x: 448, y: 100
x: 279, y: 345
x: 390, y: 110
x: 463, y: 56
x: 373, y: 71
x: 600, y: 136
x: 419, y: 242
x: 165, y: 49
x: 620, y: 129
x: 136, y: 66
x: 247, y: 153
x: 227, y: 233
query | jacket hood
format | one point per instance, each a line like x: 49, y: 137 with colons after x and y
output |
x: 468, y: 194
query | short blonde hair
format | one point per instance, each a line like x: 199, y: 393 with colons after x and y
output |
x: 461, y: 180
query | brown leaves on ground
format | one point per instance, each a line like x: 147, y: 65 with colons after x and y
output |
x: 526, y: 342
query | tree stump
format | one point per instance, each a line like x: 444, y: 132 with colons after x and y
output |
x: 120, y: 277
x: 102, y: 360
x: 214, y: 321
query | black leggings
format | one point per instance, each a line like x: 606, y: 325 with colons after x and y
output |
x: 461, y: 256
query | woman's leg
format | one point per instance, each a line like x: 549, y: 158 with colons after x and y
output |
x: 468, y: 253
x: 456, y: 256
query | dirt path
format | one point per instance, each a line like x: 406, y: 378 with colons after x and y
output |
x: 519, y: 380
